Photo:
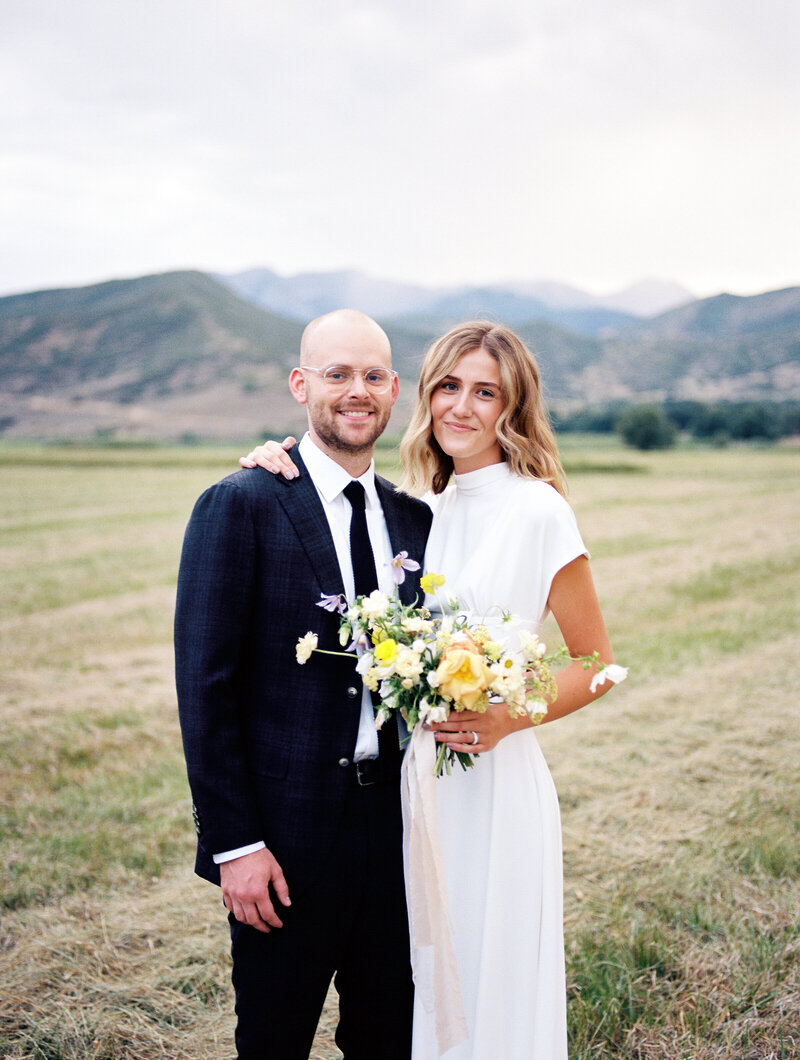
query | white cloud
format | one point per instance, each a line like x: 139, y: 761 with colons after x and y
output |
x: 453, y: 142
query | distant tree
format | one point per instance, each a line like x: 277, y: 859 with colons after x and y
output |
x: 590, y: 419
x: 755, y: 422
x: 712, y: 422
x: 646, y: 427
x: 718, y: 423
x: 684, y: 414
x: 746, y: 421
x: 790, y: 420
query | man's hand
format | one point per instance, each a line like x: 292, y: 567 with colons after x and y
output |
x: 245, y: 889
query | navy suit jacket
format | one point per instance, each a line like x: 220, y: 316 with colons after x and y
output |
x: 264, y: 736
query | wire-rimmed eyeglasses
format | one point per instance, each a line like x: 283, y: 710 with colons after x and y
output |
x: 340, y: 376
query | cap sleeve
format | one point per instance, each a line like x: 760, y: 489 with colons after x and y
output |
x: 561, y: 540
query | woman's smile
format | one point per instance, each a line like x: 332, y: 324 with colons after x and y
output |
x: 465, y: 407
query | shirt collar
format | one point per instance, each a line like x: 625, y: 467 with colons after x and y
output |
x: 331, y: 478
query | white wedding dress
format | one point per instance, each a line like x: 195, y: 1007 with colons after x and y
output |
x: 499, y: 540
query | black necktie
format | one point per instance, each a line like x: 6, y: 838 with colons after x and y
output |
x: 365, y: 577
x: 364, y: 574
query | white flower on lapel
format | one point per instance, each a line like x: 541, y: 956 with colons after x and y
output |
x: 305, y: 646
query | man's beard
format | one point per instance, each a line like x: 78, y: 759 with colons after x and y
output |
x: 325, y: 429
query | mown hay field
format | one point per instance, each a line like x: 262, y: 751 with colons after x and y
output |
x: 680, y: 791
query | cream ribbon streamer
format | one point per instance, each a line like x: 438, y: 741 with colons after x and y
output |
x: 432, y: 955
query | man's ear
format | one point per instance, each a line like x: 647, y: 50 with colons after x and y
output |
x: 297, y: 385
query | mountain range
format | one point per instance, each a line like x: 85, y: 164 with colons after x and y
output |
x: 307, y: 295
x: 181, y: 355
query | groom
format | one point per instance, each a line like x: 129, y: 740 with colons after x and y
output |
x: 296, y: 801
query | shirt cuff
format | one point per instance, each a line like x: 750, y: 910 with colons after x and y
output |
x: 240, y: 852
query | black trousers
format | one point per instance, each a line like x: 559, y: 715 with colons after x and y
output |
x: 351, y: 924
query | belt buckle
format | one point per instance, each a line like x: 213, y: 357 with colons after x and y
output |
x: 365, y: 773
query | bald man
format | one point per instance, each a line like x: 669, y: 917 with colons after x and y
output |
x: 296, y: 798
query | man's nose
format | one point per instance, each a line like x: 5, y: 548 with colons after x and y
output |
x: 357, y: 388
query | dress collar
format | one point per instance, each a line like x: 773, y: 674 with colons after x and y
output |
x: 484, y: 477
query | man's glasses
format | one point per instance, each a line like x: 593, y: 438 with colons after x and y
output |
x: 339, y: 377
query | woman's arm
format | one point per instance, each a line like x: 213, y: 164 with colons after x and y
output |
x: 575, y: 607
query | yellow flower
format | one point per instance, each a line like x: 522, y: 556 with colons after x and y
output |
x: 431, y: 582
x: 385, y: 652
x: 463, y: 673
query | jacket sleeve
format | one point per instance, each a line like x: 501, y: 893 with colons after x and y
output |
x: 216, y: 585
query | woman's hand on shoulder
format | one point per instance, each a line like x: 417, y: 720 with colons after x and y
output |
x: 273, y: 457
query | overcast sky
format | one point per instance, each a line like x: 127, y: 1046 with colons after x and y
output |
x: 594, y: 142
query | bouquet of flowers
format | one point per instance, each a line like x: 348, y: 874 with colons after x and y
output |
x: 425, y: 666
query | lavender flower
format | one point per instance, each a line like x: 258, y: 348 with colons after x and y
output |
x: 400, y: 564
x: 332, y: 603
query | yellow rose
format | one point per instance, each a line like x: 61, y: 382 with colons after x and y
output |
x: 431, y: 582
x: 463, y: 673
x: 385, y: 652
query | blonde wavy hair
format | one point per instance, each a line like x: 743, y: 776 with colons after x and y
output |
x: 523, y: 427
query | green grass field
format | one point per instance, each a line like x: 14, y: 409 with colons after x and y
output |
x: 680, y: 791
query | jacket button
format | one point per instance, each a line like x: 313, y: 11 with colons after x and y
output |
x: 344, y: 762
x: 352, y: 691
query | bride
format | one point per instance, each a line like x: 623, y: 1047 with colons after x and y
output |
x: 480, y: 448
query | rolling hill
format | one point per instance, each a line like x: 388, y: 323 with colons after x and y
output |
x: 129, y: 339
x: 722, y: 348
x: 165, y: 355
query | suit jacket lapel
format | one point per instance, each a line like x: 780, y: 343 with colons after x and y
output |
x: 300, y: 501
x: 403, y: 535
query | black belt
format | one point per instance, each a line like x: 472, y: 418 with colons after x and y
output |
x: 369, y: 771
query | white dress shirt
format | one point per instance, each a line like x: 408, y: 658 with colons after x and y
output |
x: 330, y: 479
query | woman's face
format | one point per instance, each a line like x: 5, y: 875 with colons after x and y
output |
x: 465, y: 407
